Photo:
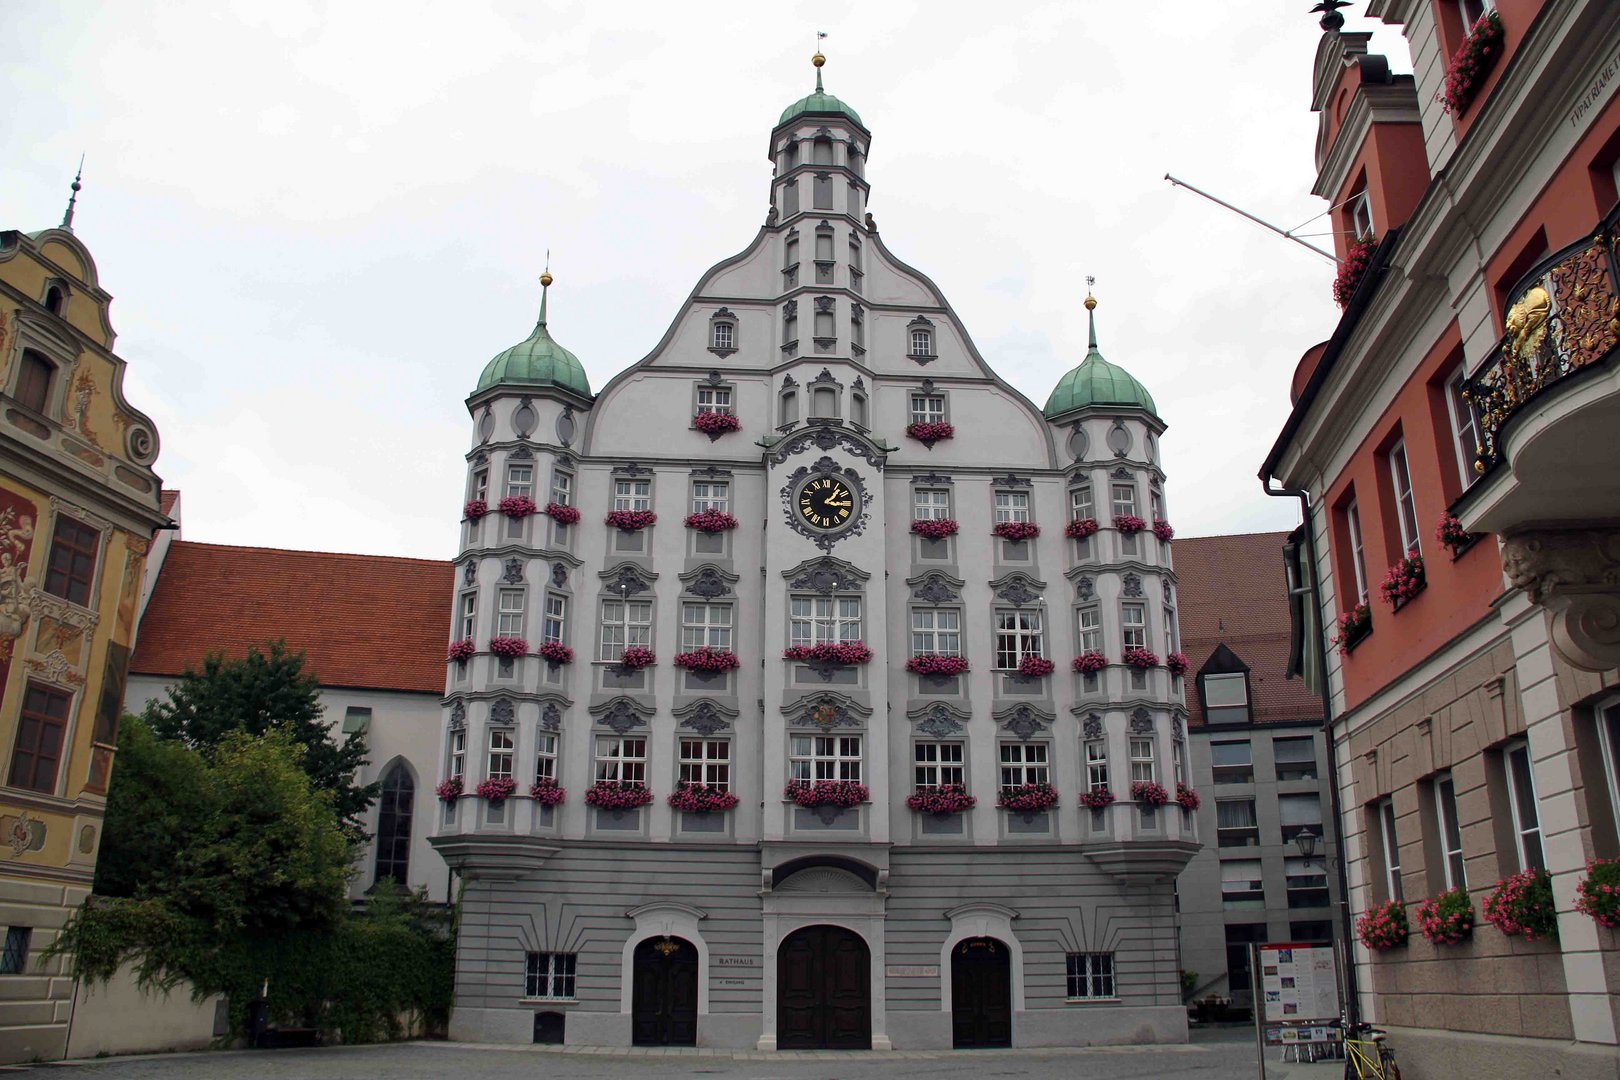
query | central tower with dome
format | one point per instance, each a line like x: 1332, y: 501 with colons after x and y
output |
x: 809, y: 686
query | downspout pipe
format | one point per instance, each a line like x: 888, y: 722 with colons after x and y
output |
x: 1352, y: 1005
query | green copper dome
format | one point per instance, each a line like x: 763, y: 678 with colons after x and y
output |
x: 1097, y: 382
x: 819, y: 103
x: 537, y: 360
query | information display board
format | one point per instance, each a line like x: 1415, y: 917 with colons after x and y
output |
x: 1299, y: 992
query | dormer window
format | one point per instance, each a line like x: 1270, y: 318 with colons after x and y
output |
x: 34, y: 379
x: 722, y: 335
x: 723, y: 332
x: 922, y: 343
x: 55, y: 298
x: 1361, y: 221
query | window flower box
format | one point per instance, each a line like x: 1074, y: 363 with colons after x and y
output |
x: 518, y: 506
x: 449, y: 790
x: 934, y: 528
x: 691, y: 798
x: 1187, y: 798
x: 1016, y: 530
x: 637, y: 657
x: 1035, y: 667
x: 1140, y: 658
x: 944, y: 799
x: 711, y: 521
x: 1177, y: 663
x: 1162, y: 530
x: 562, y: 515
x: 708, y: 659
x: 716, y: 424
x: 555, y: 652
x: 1383, y: 926
x: 545, y: 792
x: 1098, y: 798
x: 1451, y: 533
x: 1472, y: 63
x: 1357, y: 258
x: 1403, y: 582
x: 841, y: 793
x: 1080, y: 528
x: 617, y: 795
x: 936, y: 664
x: 630, y: 520
x: 1521, y: 905
x: 475, y: 509
x: 1354, y: 625
x: 930, y: 433
x: 1149, y: 793
x: 1090, y: 662
x: 1027, y: 798
x: 497, y: 789
x: 1597, y: 896
x: 509, y: 647
x: 1447, y: 919
x: 462, y: 650
x: 1129, y: 524
x: 830, y: 653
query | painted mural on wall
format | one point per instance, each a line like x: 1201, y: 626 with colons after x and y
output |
x: 17, y: 517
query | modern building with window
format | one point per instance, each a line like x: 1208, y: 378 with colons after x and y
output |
x: 736, y: 686
x: 1454, y: 442
x: 1258, y: 757
x: 78, y: 506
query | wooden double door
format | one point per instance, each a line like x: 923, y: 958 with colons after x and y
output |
x: 664, y: 994
x: 981, y: 993
x: 824, y: 990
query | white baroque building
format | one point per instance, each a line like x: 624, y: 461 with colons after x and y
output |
x: 774, y: 924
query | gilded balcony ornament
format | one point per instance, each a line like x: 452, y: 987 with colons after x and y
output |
x: 1527, y: 323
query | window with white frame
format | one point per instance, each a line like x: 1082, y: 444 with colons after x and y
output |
x: 1096, y: 764
x: 1242, y: 885
x: 707, y: 762
x: 927, y: 408
x: 624, y: 623
x: 705, y: 626
x: 519, y: 481
x: 937, y: 764
x: 1090, y: 976
x: 458, y: 752
x: 500, y: 753
x: 711, y: 495
x: 1231, y: 762
x: 1473, y: 10
x: 1464, y: 426
x: 1299, y: 814
x: 936, y: 630
x: 509, y: 614
x: 1143, y: 768
x: 545, y: 755
x: 922, y: 342
x: 722, y: 335
x: 1156, y: 502
x: 479, y: 487
x: 1172, y: 639
x: 1607, y: 715
x: 467, y: 621
x: 1522, y: 800
x: 1133, y: 625
x: 816, y: 619
x: 825, y: 757
x: 1389, y: 845
x: 1445, y: 811
x: 556, y: 620
x: 1236, y: 823
x: 1360, y: 214
x: 549, y: 976
x: 930, y: 504
x: 1080, y: 503
x: 1358, y: 559
x: 1012, y: 506
x: 1025, y: 763
x: 632, y: 494
x: 715, y: 399
x: 1405, y: 504
x: 1226, y: 698
x: 1090, y: 619
x: 562, y: 487
x: 1124, y: 500
x: 621, y: 760
x: 1306, y: 881
x: 1018, y: 635
x: 857, y: 400
x: 1178, y: 761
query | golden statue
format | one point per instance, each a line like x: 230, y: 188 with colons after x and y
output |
x: 1527, y: 322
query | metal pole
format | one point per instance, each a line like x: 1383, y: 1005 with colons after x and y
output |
x: 1259, y: 1004
x: 1251, y: 217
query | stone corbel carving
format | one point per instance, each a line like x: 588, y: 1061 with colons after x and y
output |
x: 1575, y: 575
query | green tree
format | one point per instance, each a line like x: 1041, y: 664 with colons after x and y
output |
x: 261, y: 692
x: 159, y: 793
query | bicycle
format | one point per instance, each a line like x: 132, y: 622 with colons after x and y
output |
x: 1371, y: 1058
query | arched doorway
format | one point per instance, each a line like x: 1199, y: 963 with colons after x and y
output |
x: 394, y: 807
x: 824, y: 990
x: 664, y: 993
x: 981, y: 993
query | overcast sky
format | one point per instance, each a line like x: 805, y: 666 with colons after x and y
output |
x: 320, y: 221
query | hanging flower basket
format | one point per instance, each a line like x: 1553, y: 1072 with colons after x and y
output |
x: 562, y: 515
x: 1598, y: 894
x: 1471, y: 64
x: 475, y: 509
x: 1177, y: 663
x: 1353, y: 626
x: 637, y: 657
x: 711, y: 521
x: 1027, y: 798
x: 716, y: 424
x: 708, y: 659
x: 509, y: 647
x: 1035, y: 667
x: 1162, y: 530
x: 1140, y: 658
x: 1404, y: 581
x: 1080, y: 528
x: 630, y: 520
x: 1090, y: 662
x: 1129, y: 524
x: 1447, y: 919
x: 1149, y: 793
x: 690, y: 798
x: 935, y: 664
x: 1451, y: 533
x: 1357, y: 258
x: 518, y: 506
x: 826, y: 793
x: 944, y: 799
x: 462, y: 650
x: 617, y: 795
x: 1016, y: 530
x: 1098, y: 798
x: 930, y: 433
x: 934, y: 528
x: 555, y: 652
x: 1521, y: 905
x: 840, y: 653
x: 449, y: 790
x: 545, y: 792
x: 497, y: 789
x: 1383, y: 926
x: 1187, y: 798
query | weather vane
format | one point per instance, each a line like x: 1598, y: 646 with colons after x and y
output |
x: 1331, y: 19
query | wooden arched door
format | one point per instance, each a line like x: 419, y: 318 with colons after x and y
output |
x: 981, y: 993
x: 664, y: 993
x: 824, y: 990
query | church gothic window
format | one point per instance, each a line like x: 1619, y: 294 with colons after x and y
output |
x: 394, y: 806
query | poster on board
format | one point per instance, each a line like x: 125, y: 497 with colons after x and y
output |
x: 1299, y: 992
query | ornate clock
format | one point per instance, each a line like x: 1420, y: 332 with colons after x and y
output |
x: 825, y: 502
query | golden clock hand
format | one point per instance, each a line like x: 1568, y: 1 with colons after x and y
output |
x: 830, y: 502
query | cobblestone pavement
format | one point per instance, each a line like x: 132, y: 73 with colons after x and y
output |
x: 1225, y: 1055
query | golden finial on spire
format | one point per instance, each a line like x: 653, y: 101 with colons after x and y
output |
x: 1091, y: 301
x: 545, y: 275
x: 819, y: 59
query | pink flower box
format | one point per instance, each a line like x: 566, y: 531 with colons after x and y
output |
x: 630, y: 520
x: 1451, y: 533
x: 617, y: 795
x: 1035, y: 667
x: 1027, y: 798
x: 1597, y: 895
x: 555, y: 652
x: 637, y: 657
x: 1080, y: 528
x: 1353, y: 626
x: 1383, y: 926
x: 1447, y: 919
x: 1149, y: 793
x: 690, y: 798
x: 1162, y: 530
x: 545, y: 792
x: 1187, y: 798
x: 944, y: 799
x: 462, y: 650
x: 830, y: 652
x: 1522, y: 905
x: 715, y: 424
x: 935, y: 664
x: 711, y: 521
x: 1140, y: 658
x: 1090, y: 661
x: 518, y: 506
x: 930, y: 433
x: 497, y: 788
x: 475, y: 509
x: 1177, y: 663
x: 1129, y: 524
x: 1403, y: 582
x: 1099, y: 798
x: 934, y: 528
x: 449, y: 790
x: 1471, y: 64
x: 827, y: 793
x: 509, y: 647
x: 1357, y: 258
x: 562, y: 515
x: 707, y: 659
x: 1016, y: 530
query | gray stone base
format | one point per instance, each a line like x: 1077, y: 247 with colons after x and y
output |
x: 1428, y: 1052
x: 728, y: 1031
x: 495, y: 1025
x: 1100, y: 1025
x: 919, y: 1030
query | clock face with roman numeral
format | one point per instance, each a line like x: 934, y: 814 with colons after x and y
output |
x: 826, y: 503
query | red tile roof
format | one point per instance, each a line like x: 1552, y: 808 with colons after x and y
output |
x: 364, y: 620
x: 166, y: 500
x: 1233, y: 590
